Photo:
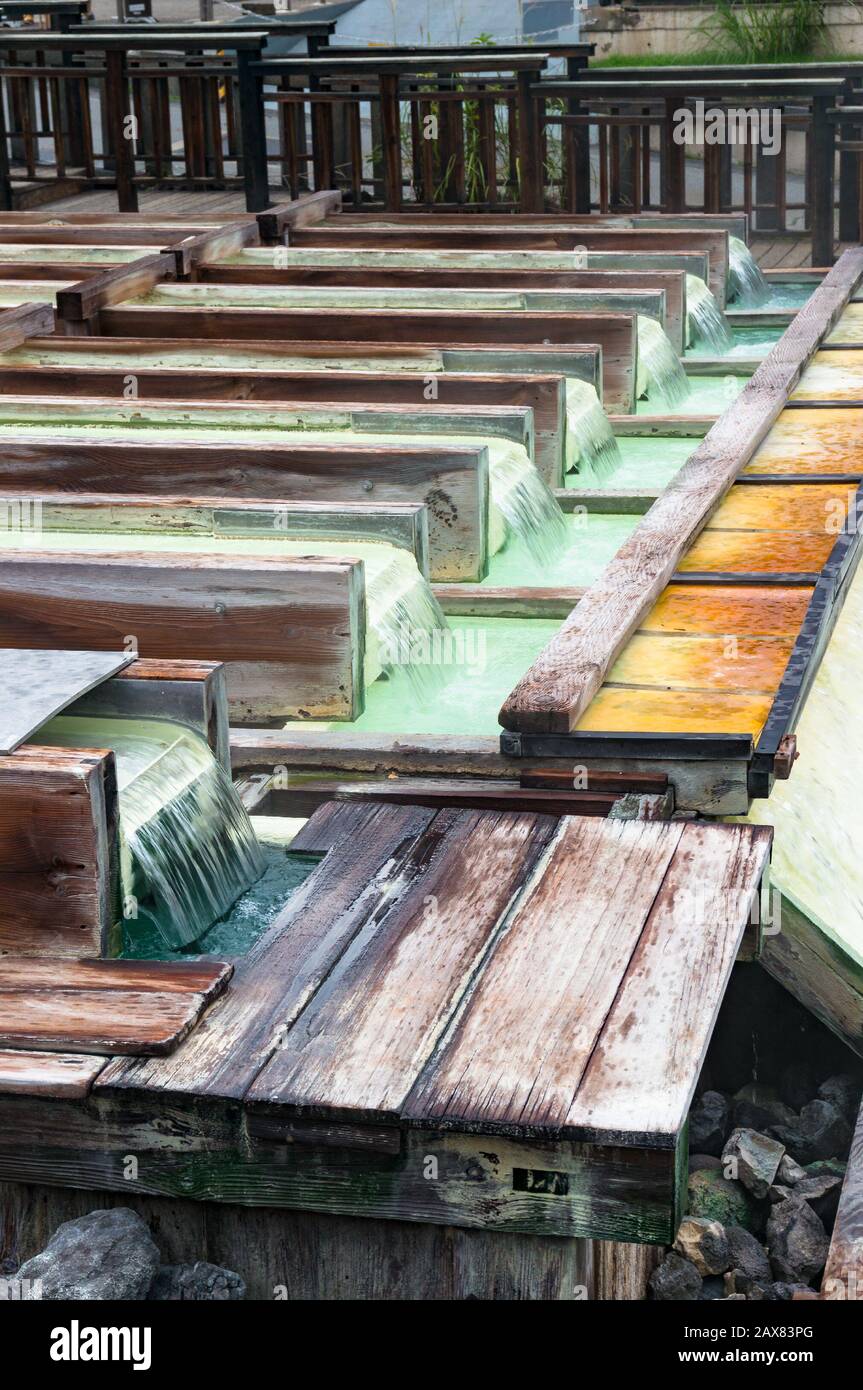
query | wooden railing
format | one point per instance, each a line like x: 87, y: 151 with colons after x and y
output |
x: 469, y: 127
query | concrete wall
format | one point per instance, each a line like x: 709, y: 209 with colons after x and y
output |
x: 632, y: 30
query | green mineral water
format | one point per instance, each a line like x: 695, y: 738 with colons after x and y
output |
x: 660, y: 374
x: 188, y: 848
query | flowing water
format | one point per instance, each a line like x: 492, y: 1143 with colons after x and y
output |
x: 747, y: 287
x: 706, y: 324
x: 660, y: 372
x: 188, y: 848
x: 526, y: 502
x: 591, y: 448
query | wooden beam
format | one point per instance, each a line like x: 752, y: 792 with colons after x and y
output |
x: 553, y: 695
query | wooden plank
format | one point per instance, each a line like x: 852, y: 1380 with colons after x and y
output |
x: 515, y: 1057
x: 620, y: 710
x: 54, y: 1075
x: 702, y: 662
x: 22, y: 322
x: 56, y: 974
x: 288, y: 217
x: 282, y: 971
x: 554, y: 694
x: 204, y: 607
x: 424, y: 328
x: 82, y: 301
x: 742, y: 611
x: 382, y: 1001
x: 102, y: 1021
x: 59, y: 871
x: 480, y: 600
x: 843, y: 1273
x: 641, y: 1076
x: 451, y: 480
x: 774, y: 552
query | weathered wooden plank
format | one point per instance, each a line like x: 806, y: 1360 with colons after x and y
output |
x: 738, y: 610
x: 53, y: 974
x: 642, y: 1074
x: 275, y: 980
x: 22, y: 322
x: 54, y: 1075
x: 82, y: 301
x: 554, y: 694
x: 451, y: 480
x: 103, y: 1021
x: 204, y: 607
x: 843, y: 1273
x: 382, y: 1001
x: 516, y: 1055
x: 59, y: 873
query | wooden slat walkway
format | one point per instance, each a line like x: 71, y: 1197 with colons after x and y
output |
x: 553, y: 983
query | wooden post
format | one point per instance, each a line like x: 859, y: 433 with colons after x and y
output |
x: 823, y: 154
x: 5, y: 181
x: 674, y: 172
x: 849, y: 178
x: 392, y: 141
x: 253, y: 133
x: 531, y: 177
x: 578, y: 149
x: 117, y: 113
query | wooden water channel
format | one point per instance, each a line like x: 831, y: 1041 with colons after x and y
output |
x: 464, y: 891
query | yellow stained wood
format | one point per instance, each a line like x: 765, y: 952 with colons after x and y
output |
x: 618, y: 710
x: 813, y: 507
x: 703, y: 663
x: 812, y: 441
x: 832, y: 376
x: 758, y: 552
x: 745, y: 611
x: 849, y: 329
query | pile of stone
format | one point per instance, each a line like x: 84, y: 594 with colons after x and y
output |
x: 764, y: 1184
x: 112, y: 1255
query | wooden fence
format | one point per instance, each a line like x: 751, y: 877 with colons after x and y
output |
x: 470, y: 127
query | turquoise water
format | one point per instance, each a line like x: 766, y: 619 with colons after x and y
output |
x: 238, y: 930
x: 792, y: 296
x: 709, y: 395
x: 487, y: 657
x: 592, y: 540
x: 746, y: 343
x: 647, y: 461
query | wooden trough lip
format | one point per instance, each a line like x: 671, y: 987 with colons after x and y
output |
x: 602, y: 1115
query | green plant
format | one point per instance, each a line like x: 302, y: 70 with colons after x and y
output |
x: 758, y: 33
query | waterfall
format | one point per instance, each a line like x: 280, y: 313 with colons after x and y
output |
x: 705, y: 321
x: 408, y: 623
x: 188, y: 848
x: 526, y: 502
x: 746, y: 285
x: 660, y: 372
x: 591, y: 448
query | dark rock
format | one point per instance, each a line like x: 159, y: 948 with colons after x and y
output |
x: 104, y: 1255
x: 753, y: 1159
x: 697, y: 1162
x: 704, y: 1243
x: 748, y: 1255
x: 739, y: 1283
x: 716, y: 1198
x: 821, y: 1191
x: 798, y: 1084
x: 712, y: 1288
x: 844, y: 1092
x: 778, y: 1192
x: 708, y: 1123
x: 827, y: 1165
x: 675, y: 1280
x: 197, y: 1283
x: 820, y: 1131
x: 759, y: 1107
x: 788, y: 1173
x: 784, y: 1293
x: 796, y: 1241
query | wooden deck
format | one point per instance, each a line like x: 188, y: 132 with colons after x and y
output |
x: 525, y: 998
